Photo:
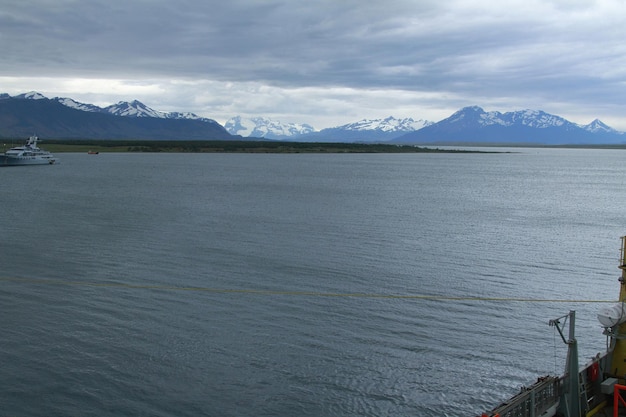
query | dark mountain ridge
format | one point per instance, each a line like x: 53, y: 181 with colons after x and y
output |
x: 50, y: 119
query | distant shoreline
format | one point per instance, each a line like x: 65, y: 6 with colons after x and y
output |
x: 261, y: 146
x: 234, y: 146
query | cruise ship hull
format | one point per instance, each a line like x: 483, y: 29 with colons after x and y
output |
x: 29, y: 154
x: 26, y: 160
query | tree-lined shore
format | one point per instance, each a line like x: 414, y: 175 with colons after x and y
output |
x: 216, y: 146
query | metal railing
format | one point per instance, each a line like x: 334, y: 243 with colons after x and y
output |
x: 532, y: 401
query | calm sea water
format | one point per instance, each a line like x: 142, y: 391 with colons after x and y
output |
x: 299, y: 285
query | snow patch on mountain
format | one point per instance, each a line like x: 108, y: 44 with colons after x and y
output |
x: 31, y: 95
x: 134, y: 109
x: 68, y: 102
x: 532, y: 118
x: 389, y: 124
x: 596, y: 126
x: 240, y: 126
x: 263, y: 127
x: 183, y: 115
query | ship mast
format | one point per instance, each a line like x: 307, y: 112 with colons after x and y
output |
x: 570, y: 400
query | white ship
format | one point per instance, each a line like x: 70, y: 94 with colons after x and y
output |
x: 28, y: 154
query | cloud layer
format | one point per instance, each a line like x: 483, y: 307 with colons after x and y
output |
x: 322, y: 62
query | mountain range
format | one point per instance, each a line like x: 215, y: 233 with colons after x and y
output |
x: 366, y: 130
x: 262, y: 127
x: 65, y: 118
x: 473, y: 124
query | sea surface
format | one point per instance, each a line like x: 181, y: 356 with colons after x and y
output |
x: 303, y: 284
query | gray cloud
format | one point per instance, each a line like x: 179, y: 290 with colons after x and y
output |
x: 282, y: 57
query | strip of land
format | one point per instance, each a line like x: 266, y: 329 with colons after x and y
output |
x: 229, y: 147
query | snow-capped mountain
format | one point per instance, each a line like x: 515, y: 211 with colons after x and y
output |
x: 476, y: 116
x: 262, y: 127
x: 136, y: 108
x: 184, y: 115
x: 133, y: 108
x: 473, y: 124
x: 66, y: 118
x: 367, y: 130
x: 596, y: 126
x: 71, y: 103
x: 534, y: 118
x: 31, y: 95
x: 389, y: 124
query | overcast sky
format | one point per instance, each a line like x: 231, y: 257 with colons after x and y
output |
x: 324, y: 63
